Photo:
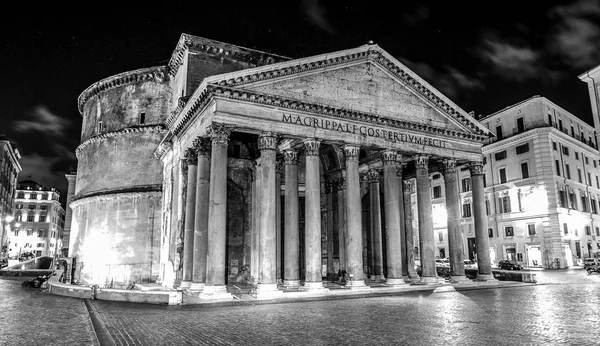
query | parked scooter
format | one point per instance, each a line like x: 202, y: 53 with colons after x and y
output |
x: 37, y: 282
x: 593, y: 268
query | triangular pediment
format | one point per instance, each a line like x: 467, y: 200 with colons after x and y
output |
x: 366, y: 80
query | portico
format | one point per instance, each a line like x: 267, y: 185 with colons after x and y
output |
x: 353, y: 129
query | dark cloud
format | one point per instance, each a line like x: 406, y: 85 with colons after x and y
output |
x: 316, y: 13
x: 510, y: 61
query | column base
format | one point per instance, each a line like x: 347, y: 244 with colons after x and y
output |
x: 485, y: 277
x: 357, y: 285
x: 197, y: 286
x: 429, y: 280
x: 395, y: 282
x: 457, y: 279
x: 291, y: 284
x: 379, y: 278
x: 215, y: 293
x: 268, y: 291
x: 411, y: 278
x: 185, y: 285
x: 314, y: 287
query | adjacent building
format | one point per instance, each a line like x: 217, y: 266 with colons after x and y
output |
x: 71, y: 179
x: 38, y: 221
x: 9, y: 172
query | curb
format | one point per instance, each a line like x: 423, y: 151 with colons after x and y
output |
x: 102, y: 334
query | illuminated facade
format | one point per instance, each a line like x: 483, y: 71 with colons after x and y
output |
x: 38, y: 221
x: 9, y: 172
x: 234, y: 165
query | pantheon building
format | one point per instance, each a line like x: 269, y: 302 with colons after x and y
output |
x: 230, y: 165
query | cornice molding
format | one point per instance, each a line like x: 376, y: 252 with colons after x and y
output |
x: 112, y: 134
x: 211, y: 91
x: 157, y: 74
x: 104, y: 196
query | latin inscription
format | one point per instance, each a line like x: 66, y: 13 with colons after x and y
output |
x: 327, y: 124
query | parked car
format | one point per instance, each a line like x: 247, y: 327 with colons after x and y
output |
x: 3, y: 263
x: 509, y: 265
x: 470, y: 264
x: 442, y: 262
x: 590, y: 262
x: 26, y: 256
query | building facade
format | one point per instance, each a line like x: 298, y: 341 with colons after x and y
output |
x: 234, y: 165
x: 9, y: 172
x: 71, y: 180
x: 38, y: 221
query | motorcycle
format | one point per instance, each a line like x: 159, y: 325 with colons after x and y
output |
x: 593, y: 268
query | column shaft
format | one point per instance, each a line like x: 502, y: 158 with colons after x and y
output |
x: 291, y: 231
x: 375, y: 208
x: 354, y: 246
x: 341, y: 224
x: 455, y: 243
x: 331, y: 275
x: 409, y: 246
x: 484, y: 264
x: 267, y: 212
x: 278, y: 237
x: 426, y: 240
x: 201, y: 222
x: 391, y: 197
x: 312, y: 236
x: 190, y: 208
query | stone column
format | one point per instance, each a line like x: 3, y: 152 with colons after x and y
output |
x: 409, y: 246
x: 202, y: 145
x: 291, y: 231
x: 426, y: 240
x: 391, y: 196
x: 191, y: 158
x: 312, y: 234
x: 341, y: 224
x: 400, y: 194
x: 217, y: 214
x: 331, y: 275
x: 354, y: 246
x: 278, y: 169
x: 375, y: 208
x: 455, y: 243
x: 267, y: 276
x: 484, y: 264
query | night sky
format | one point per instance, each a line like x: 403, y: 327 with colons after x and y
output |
x: 483, y: 55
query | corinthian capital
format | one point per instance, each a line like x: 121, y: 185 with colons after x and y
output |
x: 267, y: 141
x: 389, y: 157
x: 220, y: 132
x: 190, y: 156
x: 407, y: 186
x: 290, y: 157
x: 400, y: 169
x: 202, y: 146
x: 372, y: 176
x: 449, y: 166
x: 422, y: 161
x: 476, y: 168
x: 352, y: 152
x: 311, y: 146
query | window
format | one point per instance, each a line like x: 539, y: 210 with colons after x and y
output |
x: 437, y: 191
x: 466, y: 210
x: 19, y: 206
x: 565, y: 228
x: 522, y: 148
x: 44, y: 196
x: 582, y: 137
x: 441, y: 237
x: 499, y: 132
x: 436, y: 176
x: 576, y: 156
x: 40, y: 233
x: 531, y: 229
x: 598, y: 231
x: 43, y: 207
x: 557, y: 166
x: 550, y: 119
x: 588, y: 230
x: 30, y: 218
x: 594, y: 205
x: 519, y: 257
x: 520, y: 125
x: 568, y: 171
x: 485, y: 160
x: 500, y: 155
x: 466, y: 184
x: 584, y: 203
x: 509, y: 231
x: 565, y: 151
x: 42, y: 218
x: 29, y: 232
x: 20, y: 195
x: 40, y: 244
x: 142, y: 118
x: 597, y: 183
x: 31, y: 207
x: 554, y: 146
x: 587, y: 161
x: 16, y: 233
x: 560, y: 127
x: 33, y: 196
x: 490, y: 232
x: 563, y: 199
x: 589, y: 179
x: 572, y: 131
x: 579, y: 174
x: 504, y: 203
x: 595, y: 164
x: 524, y: 170
x: 502, y: 172
x: 573, y: 200
x: 99, y: 127
x: 487, y: 207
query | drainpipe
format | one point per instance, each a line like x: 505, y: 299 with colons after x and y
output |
x: 587, y: 191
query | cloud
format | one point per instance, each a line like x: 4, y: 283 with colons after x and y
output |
x: 450, y: 81
x: 43, y: 120
x: 315, y: 12
x: 510, y: 61
x: 40, y: 169
x: 576, y: 36
x: 416, y: 17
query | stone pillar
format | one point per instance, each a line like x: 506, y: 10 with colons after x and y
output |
x: 354, y: 246
x: 375, y: 209
x: 484, y: 264
x: 400, y: 188
x: 217, y: 214
x: 191, y: 158
x: 278, y: 169
x: 267, y: 276
x: 426, y: 240
x: 291, y: 231
x: 409, y: 246
x: 331, y: 274
x: 341, y: 224
x: 455, y: 241
x: 391, y: 196
x: 202, y: 145
x: 312, y: 234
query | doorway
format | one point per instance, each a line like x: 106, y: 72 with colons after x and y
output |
x: 534, y: 256
x: 472, y: 248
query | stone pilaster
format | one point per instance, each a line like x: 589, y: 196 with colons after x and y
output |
x: 312, y: 236
x: 484, y: 264
x: 215, y: 287
x: 455, y: 241
x: 426, y: 240
x: 191, y: 159
x: 291, y: 276
x: 354, y: 243
x: 267, y: 277
x: 202, y: 146
x: 375, y: 213
x: 391, y: 195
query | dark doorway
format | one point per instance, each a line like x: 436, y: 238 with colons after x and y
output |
x: 471, y: 248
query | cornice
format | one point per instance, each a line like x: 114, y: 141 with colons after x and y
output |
x: 112, y: 134
x: 374, y: 55
x: 157, y: 74
x: 111, y: 195
x: 198, y: 104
